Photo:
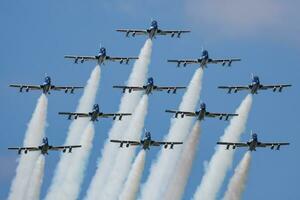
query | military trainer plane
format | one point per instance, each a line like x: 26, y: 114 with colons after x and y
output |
x: 45, y: 147
x: 204, y: 60
x: 95, y: 114
x: 201, y: 114
x: 255, y: 86
x: 152, y: 31
x: 253, y: 144
x: 146, y: 143
x: 149, y: 87
x: 100, y: 58
x: 45, y: 87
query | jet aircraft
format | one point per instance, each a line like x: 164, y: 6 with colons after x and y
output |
x: 146, y: 143
x: 255, y: 86
x: 45, y: 147
x: 201, y: 114
x: 204, y: 60
x: 152, y: 31
x: 46, y: 87
x: 95, y: 114
x: 149, y: 87
x: 253, y: 143
x: 100, y: 58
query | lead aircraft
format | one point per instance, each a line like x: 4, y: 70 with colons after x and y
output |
x: 149, y: 87
x: 152, y: 31
x: 146, y: 143
x: 201, y: 114
x: 253, y: 143
x: 46, y: 87
x: 95, y: 114
x: 204, y: 60
x: 45, y: 147
x: 255, y: 86
x: 100, y: 58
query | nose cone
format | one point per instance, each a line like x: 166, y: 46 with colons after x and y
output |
x: 148, y: 135
x: 102, y: 50
x: 45, y: 140
x: 203, y: 106
x: 205, y: 53
x: 96, y: 107
x: 47, y: 79
x: 254, y: 136
x: 150, y: 80
x: 154, y: 23
x: 256, y: 79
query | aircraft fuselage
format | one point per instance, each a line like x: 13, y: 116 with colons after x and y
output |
x: 201, y: 114
x: 146, y: 144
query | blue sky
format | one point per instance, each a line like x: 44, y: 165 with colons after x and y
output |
x: 264, y: 33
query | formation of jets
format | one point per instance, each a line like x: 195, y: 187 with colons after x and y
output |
x: 45, y: 147
x: 146, y: 143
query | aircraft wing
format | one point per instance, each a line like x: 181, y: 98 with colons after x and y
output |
x: 26, y: 87
x: 275, y: 87
x: 66, y: 88
x: 129, y: 88
x: 166, y: 144
x: 169, y: 88
x: 63, y: 148
x: 234, y: 88
x: 224, y: 61
x: 70, y: 114
x: 172, y: 32
x: 133, y: 32
x: 121, y: 59
x: 185, y: 62
x: 20, y: 149
x: 114, y: 115
x: 235, y: 144
x: 182, y: 113
x: 126, y: 142
x: 273, y: 144
x: 220, y: 115
x: 81, y: 58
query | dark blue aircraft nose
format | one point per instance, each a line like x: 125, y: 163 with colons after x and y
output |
x: 254, y: 136
x: 47, y: 79
x: 102, y: 50
x: 96, y: 107
x: 154, y: 23
x: 45, y: 140
x: 203, y: 106
x: 204, y: 53
x: 150, y: 80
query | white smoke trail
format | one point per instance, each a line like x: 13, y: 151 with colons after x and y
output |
x: 221, y: 161
x: 70, y: 187
x: 128, y: 104
x: 237, y: 182
x: 162, y: 170
x: 121, y: 168
x: 33, y: 137
x: 75, y: 132
x: 178, y: 182
x: 35, y: 183
x: 132, y: 183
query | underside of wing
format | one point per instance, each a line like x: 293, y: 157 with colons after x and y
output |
x: 184, y: 62
x: 133, y: 32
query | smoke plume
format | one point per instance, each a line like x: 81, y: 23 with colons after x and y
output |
x: 132, y: 183
x: 127, y: 104
x: 162, y: 170
x: 221, y: 161
x: 33, y: 137
x: 237, y: 182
